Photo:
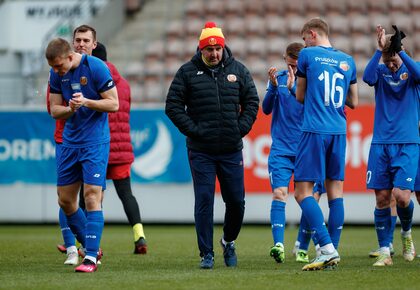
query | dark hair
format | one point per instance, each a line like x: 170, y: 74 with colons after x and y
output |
x: 57, y: 47
x: 293, y: 49
x: 85, y: 28
x: 100, y: 51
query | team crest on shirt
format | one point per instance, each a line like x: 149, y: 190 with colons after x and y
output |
x: 83, y: 81
x: 344, y: 65
x: 231, y: 78
x: 404, y: 76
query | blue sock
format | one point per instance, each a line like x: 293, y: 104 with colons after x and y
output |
x: 304, y: 234
x: 406, y: 216
x: 336, y: 220
x: 94, y: 228
x: 278, y: 219
x: 392, y: 229
x: 68, y: 236
x: 77, y: 224
x: 315, y: 218
x: 382, y: 225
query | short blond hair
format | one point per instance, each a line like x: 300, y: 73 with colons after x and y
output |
x: 57, y: 47
x: 318, y: 24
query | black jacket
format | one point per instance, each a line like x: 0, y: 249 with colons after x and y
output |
x: 213, y: 109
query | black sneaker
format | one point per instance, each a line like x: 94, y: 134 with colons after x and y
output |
x: 207, y: 262
x: 229, y: 254
x: 140, y: 246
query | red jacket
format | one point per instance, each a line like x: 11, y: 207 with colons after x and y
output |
x: 59, y: 123
x: 121, y: 150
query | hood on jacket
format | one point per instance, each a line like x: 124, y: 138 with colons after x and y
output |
x: 114, y: 72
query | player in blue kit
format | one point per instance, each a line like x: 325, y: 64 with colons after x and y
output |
x: 326, y: 83
x: 417, y: 185
x: 285, y: 132
x: 86, y: 86
x: 300, y: 249
x: 394, y: 153
x: 280, y: 101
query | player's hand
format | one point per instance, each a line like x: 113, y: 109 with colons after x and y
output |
x: 77, y: 101
x: 380, y: 34
x: 72, y: 107
x: 396, y: 45
x: 272, y: 75
x: 291, y: 77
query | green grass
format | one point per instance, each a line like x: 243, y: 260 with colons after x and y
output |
x: 29, y: 260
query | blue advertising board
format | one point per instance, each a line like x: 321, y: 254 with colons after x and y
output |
x: 27, y: 148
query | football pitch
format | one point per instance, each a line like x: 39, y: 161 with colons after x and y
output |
x: 30, y: 260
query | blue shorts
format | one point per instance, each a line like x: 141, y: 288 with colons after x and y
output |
x: 320, y: 187
x: 392, y: 165
x: 320, y: 156
x: 417, y: 183
x: 280, y: 169
x: 57, y: 152
x: 83, y: 164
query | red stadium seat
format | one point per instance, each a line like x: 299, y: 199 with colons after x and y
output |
x: 175, y: 30
x: 276, y: 26
x: 315, y: 7
x: 255, y: 26
x: 338, y: 25
x: 378, y: 6
x: 360, y: 24
x: 404, y: 22
x: 234, y: 27
x: 402, y: 6
x: 336, y: 6
x: 355, y: 7
x: 342, y: 42
x: 363, y: 45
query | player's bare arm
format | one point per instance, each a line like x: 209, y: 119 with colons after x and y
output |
x: 58, y: 110
x: 352, y: 99
x: 108, y: 103
x: 301, y: 89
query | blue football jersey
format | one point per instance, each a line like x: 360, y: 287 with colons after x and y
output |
x: 85, y: 127
x: 329, y: 73
x: 397, y: 101
x: 286, y: 120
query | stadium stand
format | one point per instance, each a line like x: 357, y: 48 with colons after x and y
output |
x: 156, y: 39
x: 258, y: 34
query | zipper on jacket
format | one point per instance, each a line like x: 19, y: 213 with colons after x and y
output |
x: 219, y: 105
x: 217, y: 91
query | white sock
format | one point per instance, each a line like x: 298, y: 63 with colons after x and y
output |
x: 71, y: 249
x: 327, y: 249
x: 317, y: 250
x: 385, y: 250
x: 93, y: 259
x: 406, y: 233
x: 225, y: 243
